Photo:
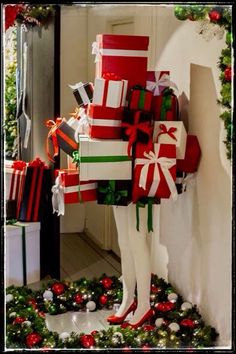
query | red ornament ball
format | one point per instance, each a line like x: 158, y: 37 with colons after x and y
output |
x: 93, y: 333
x: 164, y: 306
x: 103, y: 299
x: 148, y: 328
x: 228, y: 73
x: 154, y: 289
x: 107, y: 283
x: 33, y: 339
x: 19, y: 320
x: 87, y: 341
x: 78, y: 298
x: 41, y: 314
x: 214, y: 16
x: 187, y: 322
x: 58, y: 288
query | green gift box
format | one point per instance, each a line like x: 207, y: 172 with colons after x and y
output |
x: 114, y: 192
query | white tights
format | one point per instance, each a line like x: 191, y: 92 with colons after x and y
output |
x: 135, y: 259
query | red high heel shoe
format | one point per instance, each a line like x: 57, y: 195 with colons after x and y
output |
x: 113, y: 319
x: 147, y: 316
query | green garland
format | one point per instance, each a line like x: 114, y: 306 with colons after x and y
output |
x: 221, y: 16
x: 176, y: 324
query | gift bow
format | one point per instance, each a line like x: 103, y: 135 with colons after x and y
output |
x: 164, y: 80
x: 112, y: 196
x: 165, y: 164
x: 83, y: 123
x: 111, y: 76
x: 132, y: 130
x: 37, y: 162
x: 169, y: 131
x: 76, y: 86
x: 97, y: 51
x: 58, y: 198
x: 52, y: 133
x: 19, y: 165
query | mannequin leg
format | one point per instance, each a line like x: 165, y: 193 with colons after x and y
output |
x: 127, y: 262
x: 142, y: 261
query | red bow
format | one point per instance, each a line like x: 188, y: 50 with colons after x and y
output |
x: 170, y: 131
x: 132, y: 130
x: 37, y: 162
x: 19, y: 165
x: 52, y: 133
x: 111, y: 76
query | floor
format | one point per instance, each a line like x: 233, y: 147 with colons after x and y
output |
x: 80, y: 257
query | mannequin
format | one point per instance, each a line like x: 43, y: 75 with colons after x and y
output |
x: 135, y: 265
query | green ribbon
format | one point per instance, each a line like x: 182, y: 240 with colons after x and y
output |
x: 165, y: 106
x: 141, y: 101
x: 86, y: 159
x: 140, y: 204
x: 23, y: 245
x: 112, y: 196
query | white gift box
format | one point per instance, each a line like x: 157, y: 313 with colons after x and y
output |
x: 103, y: 159
x: 110, y: 93
x: 171, y: 132
x: 14, y: 255
x: 14, y: 180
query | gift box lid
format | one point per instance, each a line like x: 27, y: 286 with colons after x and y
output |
x: 12, y: 230
x: 121, y: 41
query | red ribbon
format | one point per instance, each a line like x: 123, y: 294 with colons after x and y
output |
x: 19, y: 165
x: 37, y: 162
x: 111, y: 76
x: 132, y: 130
x: 52, y: 133
x: 170, y: 131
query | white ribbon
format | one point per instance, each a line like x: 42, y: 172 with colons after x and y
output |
x: 28, y: 120
x: 165, y: 164
x: 82, y: 188
x: 83, y: 126
x: 83, y: 94
x: 58, y: 198
x: 105, y: 122
x: 188, y: 180
x: 163, y: 81
x: 115, y: 52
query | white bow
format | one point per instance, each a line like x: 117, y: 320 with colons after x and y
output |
x: 165, y: 164
x: 96, y: 51
x: 163, y: 81
x: 76, y: 86
x: 83, y: 126
x: 58, y: 198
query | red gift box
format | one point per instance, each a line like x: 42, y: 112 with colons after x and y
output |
x: 105, y: 122
x: 74, y: 190
x: 35, y: 191
x: 123, y: 55
x: 192, y: 156
x: 165, y: 107
x: 140, y: 99
x: 154, y: 171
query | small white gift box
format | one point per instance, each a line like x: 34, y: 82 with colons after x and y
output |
x: 103, y: 159
x: 22, y: 254
x: 171, y: 132
x: 110, y: 93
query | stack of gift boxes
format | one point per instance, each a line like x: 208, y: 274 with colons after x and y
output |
x: 125, y: 142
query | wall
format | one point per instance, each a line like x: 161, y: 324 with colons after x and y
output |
x: 73, y: 70
x: 198, y: 239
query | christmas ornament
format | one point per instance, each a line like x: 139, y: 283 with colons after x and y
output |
x: 58, y: 288
x: 227, y: 73
x: 182, y: 13
x: 87, y: 341
x: 41, y: 314
x: 154, y: 289
x: 93, y: 333
x: 103, y: 299
x: 26, y: 323
x: 78, y: 298
x: 148, y: 328
x: 172, y: 297
x: 159, y: 322
x: 214, y: 16
x: 174, y: 327
x: 186, y: 306
x: 117, y: 338
x: 9, y: 298
x: 33, y: 303
x: 64, y: 335
x: 106, y: 283
x: 52, y: 309
x: 91, y: 305
x: 18, y: 320
x: 187, y: 322
x: 12, y: 314
x: 33, y: 339
x: 164, y: 306
x: 48, y: 295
